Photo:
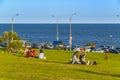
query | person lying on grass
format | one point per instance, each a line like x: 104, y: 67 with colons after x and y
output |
x: 82, y: 59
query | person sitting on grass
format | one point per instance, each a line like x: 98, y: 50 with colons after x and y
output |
x: 28, y: 53
x: 41, y: 54
x: 33, y: 53
x: 82, y: 58
x: 75, y: 59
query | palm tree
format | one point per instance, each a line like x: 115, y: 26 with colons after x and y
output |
x: 10, y: 38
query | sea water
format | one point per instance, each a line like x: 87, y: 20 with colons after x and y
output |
x: 101, y: 34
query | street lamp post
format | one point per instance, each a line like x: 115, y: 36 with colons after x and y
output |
x: 70, y: 41
x: 13, y: 23
x: 57, y: 38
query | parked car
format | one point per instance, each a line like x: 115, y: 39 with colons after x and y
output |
x: 98, y: 50
x: 3, y: 45
x: 118, y: 49
x: 46, y: 46
x: 34, y: 46
x: 114, y: 51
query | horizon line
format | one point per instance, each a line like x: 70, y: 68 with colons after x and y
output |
x: 61, y: 23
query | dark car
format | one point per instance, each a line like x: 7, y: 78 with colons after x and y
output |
x: 114, y: 51
x: 118, y: 48
x: 34, y: 46
x: 3, y: 44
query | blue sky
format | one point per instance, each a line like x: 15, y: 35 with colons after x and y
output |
x: 41, y: 11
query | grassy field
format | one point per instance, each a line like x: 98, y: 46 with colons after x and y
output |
x: 56, y: 67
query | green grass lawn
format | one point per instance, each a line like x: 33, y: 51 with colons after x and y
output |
x: 56, y: 67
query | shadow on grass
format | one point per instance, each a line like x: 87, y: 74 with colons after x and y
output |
x: 99, y: 73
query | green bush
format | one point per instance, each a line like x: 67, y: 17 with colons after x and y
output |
x: 92, y: 44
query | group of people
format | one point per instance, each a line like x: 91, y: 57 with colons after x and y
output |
x: 76, y: 59
x: 32, y: 53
